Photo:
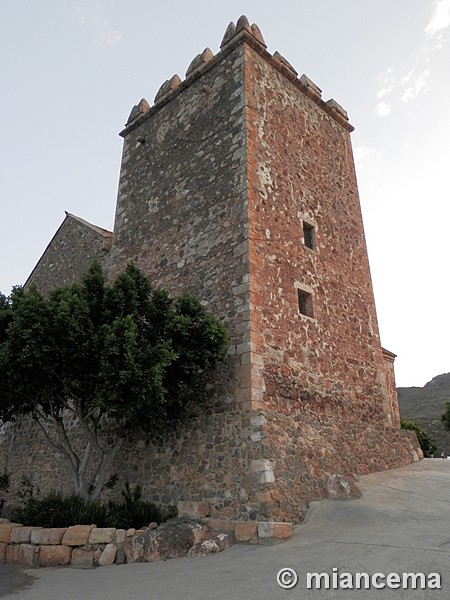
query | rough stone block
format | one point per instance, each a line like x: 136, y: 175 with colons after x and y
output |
x: 120, y: 536
x: 21, y: 535
x: 340, y: 487
x: 222, y: 525
x: 82, y: 558
x: 193, y: 510
x: 120, y: 556
x: 48, y: 537
x: 29, y: 555
x: 108, y: 555
x: 5, y: 531
x: 97, y: 554
x: 259, y: 466
x: 102, y: 535
x: 77, y: 535
x: 53, y: 556
x: 134, y: 550
x: 246, y: 531
x: 13, y: 553
x: 273, y: 533
x: 3, y: 547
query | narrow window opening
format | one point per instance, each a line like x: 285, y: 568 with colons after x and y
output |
x: 305, y: 303
x: 309, y: 235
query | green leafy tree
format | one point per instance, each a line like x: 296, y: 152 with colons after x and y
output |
x: 425, y: 441
x: 111, y: 357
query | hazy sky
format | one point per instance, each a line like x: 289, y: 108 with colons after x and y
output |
x: 70, y: 72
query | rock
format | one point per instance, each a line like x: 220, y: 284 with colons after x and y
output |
x: 171, y: 540
x: 217, y: 543
x: 224, y: 541
x: 108, y: 555
x: 203, y: 549
x: 29, y: 555
x: 193, y: 510
x: 273, y: 533
x: 340, y: 487
x: 246, y: 531
x: 134, y: 549
x: 82, y: 558
x: 21, y: 535
x: 97, y: 553
x: 52, y: 556
x: 77, y: 535
x: 5, y: 531
x: 120, y: 556
x: 153, y: 525
x: 102, y: 535
x: 48, y: 537
x: 120, y: 536
x: 13, y: 553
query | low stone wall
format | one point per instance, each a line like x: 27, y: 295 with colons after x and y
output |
x: 88, y: 546
x: 83, y: 546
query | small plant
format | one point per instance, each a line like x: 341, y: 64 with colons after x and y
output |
x: 425, y: 441
x: 133, y: 511
x: 56, y: 510
x: 27, y: 489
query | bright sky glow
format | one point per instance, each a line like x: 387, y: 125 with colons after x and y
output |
x: 71, y: 70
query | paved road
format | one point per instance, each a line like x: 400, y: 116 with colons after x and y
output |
x: 401, y: 524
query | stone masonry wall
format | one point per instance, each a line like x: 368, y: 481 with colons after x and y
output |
x: 181, y: 209
x: 70, y: 253
x: 301, y: 169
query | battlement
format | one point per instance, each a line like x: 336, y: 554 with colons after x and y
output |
x: 235, y: 34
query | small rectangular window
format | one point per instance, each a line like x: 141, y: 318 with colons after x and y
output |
x: 305, y: 303
x: 309, y: 235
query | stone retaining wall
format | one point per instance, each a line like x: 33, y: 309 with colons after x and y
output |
x: 88, y: 546
x: 82, y: 546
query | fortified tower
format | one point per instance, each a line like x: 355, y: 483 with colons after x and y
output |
x: 239, y: 185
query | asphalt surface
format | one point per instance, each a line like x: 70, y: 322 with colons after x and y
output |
x: 400, y: 525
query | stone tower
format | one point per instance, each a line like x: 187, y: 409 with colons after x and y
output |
x: 239, y: 185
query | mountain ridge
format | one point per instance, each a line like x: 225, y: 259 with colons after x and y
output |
x: 426, y: 405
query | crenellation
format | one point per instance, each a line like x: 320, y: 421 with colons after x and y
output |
x: 278, y: 58
x: 138, y: 110
x: 230, y: 32
x: 167, y: 87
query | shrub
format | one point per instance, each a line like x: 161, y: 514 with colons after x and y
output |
x: 132, y: 509
x: 425, y: 441
x: 56, y: 510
